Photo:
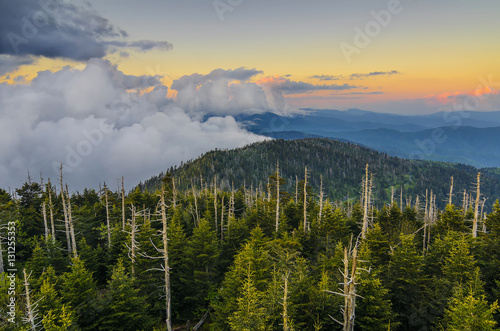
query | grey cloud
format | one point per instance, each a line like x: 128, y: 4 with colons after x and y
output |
x: 240, y: 74
x: 374, y: 73
x: 288, y: 86
x: 215, y: 94
x: 327, y: 77
x: 90, y: 121
x: 142, y: 45
x: 355, y: 76
x: 59, y: 29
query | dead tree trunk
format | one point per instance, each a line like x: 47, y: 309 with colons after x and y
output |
x: 31, y: 311
x: 277, y: 195
x: 174, y: 193
x: 215, y: 203
x: 231, y: 203
x: 66, y: 222
x: 306, y: 227
x: 476, y: 206
x: 392, y: 196
x: 450, y: 198
x: 71, y: 227
x: 425, y: 219
x: 320, y: 198
x: 133, y: 245
x: 51, y: 212
x: 44, y: 213
x: 464, y: 202
x: 123, y: 206
x: 108, y: 228
x: 348, y: 291
x: 165, y: 259
x: 430, y: 218
x: 222, y: 221
x: 195, y: 205
x: 365, y: 204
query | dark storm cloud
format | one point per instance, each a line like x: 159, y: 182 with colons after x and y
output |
x: 59, y: 29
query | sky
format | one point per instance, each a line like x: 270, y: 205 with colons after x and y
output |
x: 124, y: 87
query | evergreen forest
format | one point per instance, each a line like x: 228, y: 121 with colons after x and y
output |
x: 310, y: 234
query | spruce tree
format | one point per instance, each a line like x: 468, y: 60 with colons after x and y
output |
x: 124, y: 308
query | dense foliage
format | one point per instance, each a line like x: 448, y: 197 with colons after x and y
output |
x: 235, y: 265
x: 340, y: 164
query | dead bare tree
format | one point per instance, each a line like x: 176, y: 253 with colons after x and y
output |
x: 306, y: 225
x: 51, y: 211
x: 70, y: 222
x: 320, y: 198
x: 66, y: 222
x: 277, y: 195
x: 465, y: 207
x: 166, y: 267
x: 450, y: 197
x: 349, y: 288
x: 123, y: 206
x: 476, y: 206
x: 133, y: 248
x: 31, y: 308
x: 215, y: 203
x: 174, y: 194
x: 108, y: 228
x: 222, y: 221
x: 197, y: 217
x: 426, y: 221
x: 366, y: 188
x: 44, y: 213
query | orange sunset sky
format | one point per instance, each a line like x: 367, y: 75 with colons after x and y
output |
x: 424, y: 50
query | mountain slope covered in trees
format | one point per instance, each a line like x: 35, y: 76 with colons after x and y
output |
x: 339, y: 164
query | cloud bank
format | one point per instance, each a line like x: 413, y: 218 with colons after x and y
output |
x: 103, y: 124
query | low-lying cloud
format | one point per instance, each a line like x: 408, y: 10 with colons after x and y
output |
x: 103, y: 124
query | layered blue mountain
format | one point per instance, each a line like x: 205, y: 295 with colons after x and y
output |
x: 468, y: 137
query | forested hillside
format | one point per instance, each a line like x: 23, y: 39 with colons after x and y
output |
x: 198, y: 255
x: 340, y: 164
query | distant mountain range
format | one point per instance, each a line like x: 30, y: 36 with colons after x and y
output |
x: 468, y: 137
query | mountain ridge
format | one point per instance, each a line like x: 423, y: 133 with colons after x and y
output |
x: 340, y: 164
